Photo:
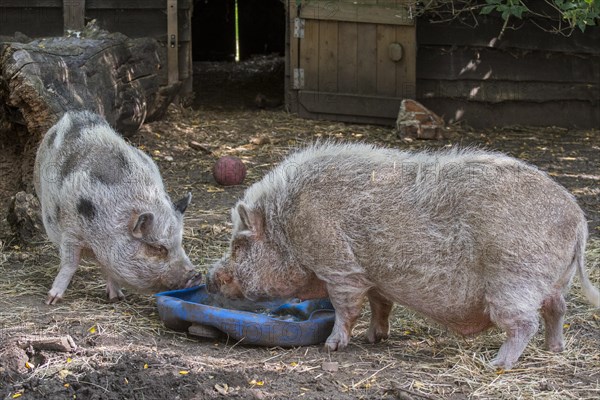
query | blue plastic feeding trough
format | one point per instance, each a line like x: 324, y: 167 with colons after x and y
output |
x: 267, y: 323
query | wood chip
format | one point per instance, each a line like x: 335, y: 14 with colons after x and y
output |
x: 330, y: 366
x: 200, y: 147
x: 52, y: 343
x: 222, y: 389
x: 260, y: 140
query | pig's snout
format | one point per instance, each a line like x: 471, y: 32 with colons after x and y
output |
x: 180, y: 277
x: 194, y: 280
x: 222, y: 281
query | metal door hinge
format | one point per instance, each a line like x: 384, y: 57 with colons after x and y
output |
x: 299, y: 28
x: 298, y: 78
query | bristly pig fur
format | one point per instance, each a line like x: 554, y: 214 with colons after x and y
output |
x: 467, y: 237
x: 105, y: 198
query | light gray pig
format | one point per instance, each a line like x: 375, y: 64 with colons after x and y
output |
x: 104, y: 198
x: 468, y: 238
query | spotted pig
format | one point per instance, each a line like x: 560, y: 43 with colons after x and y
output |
x: 104, y: 198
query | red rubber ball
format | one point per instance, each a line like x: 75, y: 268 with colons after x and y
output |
x: 229, y: 171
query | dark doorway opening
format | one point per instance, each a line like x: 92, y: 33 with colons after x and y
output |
x: 261, y: 26
x: 213, y: 30
x: 220, y: 81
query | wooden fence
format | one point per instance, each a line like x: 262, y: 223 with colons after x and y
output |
x: 529, y: 77
x: 167, y: 21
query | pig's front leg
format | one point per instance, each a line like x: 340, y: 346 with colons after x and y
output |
x: 380, y: 316
x: 113, y: 291
x: 70, y: 255
x: 347, y: 302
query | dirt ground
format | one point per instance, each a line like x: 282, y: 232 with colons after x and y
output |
x: 124, y: 351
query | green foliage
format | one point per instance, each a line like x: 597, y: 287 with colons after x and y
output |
x: 506, y: 7
x: 577, y: 13
x: 580, y: 13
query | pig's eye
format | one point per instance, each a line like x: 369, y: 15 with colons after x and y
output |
x: 236, y: 251
x: 157, y: 250
x: 238, y: 246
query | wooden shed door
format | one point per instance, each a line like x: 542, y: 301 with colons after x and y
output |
x: 351, y: 60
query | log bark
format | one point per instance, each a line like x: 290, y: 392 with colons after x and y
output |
x: 53, y: 343
x: 121, y: 78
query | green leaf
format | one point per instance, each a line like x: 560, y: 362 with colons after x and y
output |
x: 487, y: 9
x: 517, y: 11
x: 506, y: 14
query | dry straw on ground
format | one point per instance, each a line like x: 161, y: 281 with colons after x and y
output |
x: 421, y: 360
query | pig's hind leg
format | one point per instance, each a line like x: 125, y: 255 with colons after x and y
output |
x: 380, y: 317
x: 520, y: 328
x: 70, y: 256
x: 113, y: 291
x: 553, y: 312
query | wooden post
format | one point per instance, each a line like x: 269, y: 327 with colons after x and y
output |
x: 73, y: 15
x: 172, y: 42
x: 292, y: 46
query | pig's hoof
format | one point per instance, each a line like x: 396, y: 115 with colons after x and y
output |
x: 375, y: 335
x: 117, y: 298
x: 334, y: 343
x: 113, y: 292
x: 556, y: 348
x: 53, y: 297
x: 498, y: 363
x: 327, y: 347
x: 114, y: 296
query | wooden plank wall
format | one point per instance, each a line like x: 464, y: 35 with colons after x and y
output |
x: 530, y: 77
x: 134, y: 18
x: 34, y: 19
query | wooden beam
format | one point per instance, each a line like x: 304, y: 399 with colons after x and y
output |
x: 450, y: 63
x: 73, y: 15
x: 31, y: 4
x: 497, y: 91
x: 172, y: 42
x: 390, y: 12
x: 133, y: 4
x: 564, y: 113
x: 349, y: 104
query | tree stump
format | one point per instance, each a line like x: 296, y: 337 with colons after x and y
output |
x: 108, y: 73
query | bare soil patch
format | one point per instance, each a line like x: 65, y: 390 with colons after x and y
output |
x: 125, y: 352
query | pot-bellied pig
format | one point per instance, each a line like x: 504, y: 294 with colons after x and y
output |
x: 469, y: 238
x: 105, y: 198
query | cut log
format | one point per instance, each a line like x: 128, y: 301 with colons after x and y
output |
x: 52, y: 343
x: 108, y: 73
x: 123, y: 79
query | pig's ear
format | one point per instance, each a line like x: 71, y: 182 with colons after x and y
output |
x: 182, y: 204
x: 252, y: 220
x: 142, y: 225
